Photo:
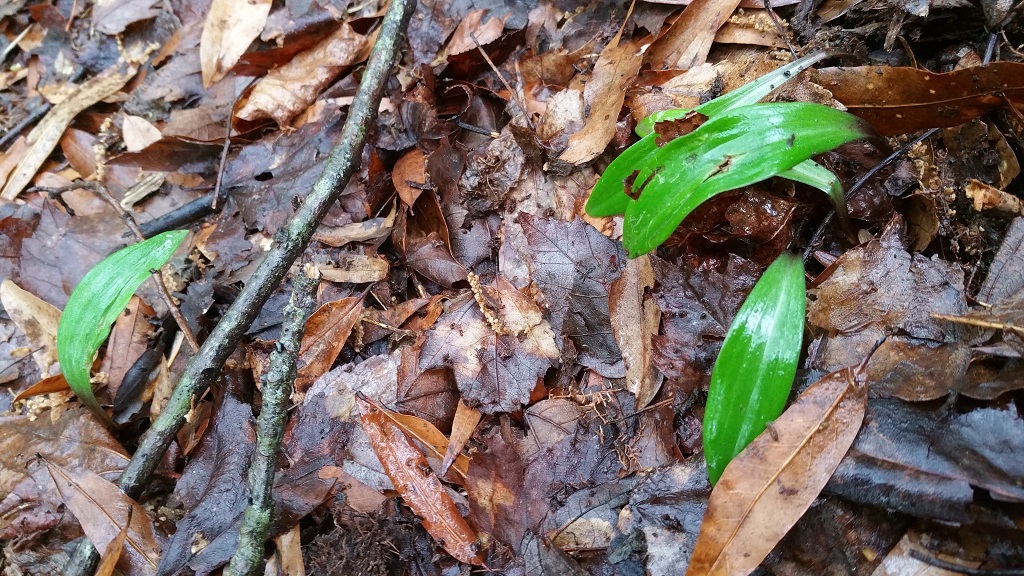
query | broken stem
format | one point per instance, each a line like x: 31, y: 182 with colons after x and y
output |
x: 204, y: 367
x: 277, y: 387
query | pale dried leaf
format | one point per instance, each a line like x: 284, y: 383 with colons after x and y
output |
x: 687, y: 42
x: 113, y: 16
x: 229, y: 29
x: 45, y: 136
x: 635, y: 319
x: 37, y: 319
x: 138, y: 133
x: 356, y: 269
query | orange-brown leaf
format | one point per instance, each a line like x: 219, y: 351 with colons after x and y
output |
x: 687, y: 42
x: 421, y: 490
x: 326, y: 332
x: 635, y: 319
x: 465, y: 422
x: 769, y: 486
x: 432, y: 439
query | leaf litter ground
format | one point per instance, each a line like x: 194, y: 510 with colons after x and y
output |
x: 545, y: 391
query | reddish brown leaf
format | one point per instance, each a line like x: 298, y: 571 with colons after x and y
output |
x: 901, y: 100
x: 432, y: 440
x: 129, y: 338
x: 769, y: 486
x: 103, y: 510
x: 420, y: 489
x: 288, y: 90
x: 327, y: 330
x: 55, y: 383
x: 687, y: 42
x: 410, y: 175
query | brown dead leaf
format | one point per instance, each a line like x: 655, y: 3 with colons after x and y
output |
x: 103, y: 510
x: 420, y: 489
x: 112, y: 554
x: 410, y: 175
x: 45, y: 136
x: 356, y: 269
x: 473, y: 31
x: 36, y: 318
x: 289, y: 549
x: 129, y: 338
x: 635, y: 319
x: 465, y: 422
x: 603, y: 95
x: 113, y: 16
x: 290, y: 89
x: 55, y: 383
x: 326, y: 332
x: 229, y: 29
x: 356, y: 232
x: 687, y: 42
x: 433, y: 440
x: 769, y: 486
x: 900, y: 100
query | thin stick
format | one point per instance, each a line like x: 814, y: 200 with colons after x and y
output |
x: 202, y: 370
x: 277, y: 387
x: 100, y: 190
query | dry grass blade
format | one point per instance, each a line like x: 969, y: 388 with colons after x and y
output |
x: 769, y: 486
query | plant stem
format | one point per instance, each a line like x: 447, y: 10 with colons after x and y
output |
x: 277, y: 386
x: 291, y: 242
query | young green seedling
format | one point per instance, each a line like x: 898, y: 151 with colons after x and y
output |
x: 754, y: 372
x: 98, y: 300
x: 740, y: 143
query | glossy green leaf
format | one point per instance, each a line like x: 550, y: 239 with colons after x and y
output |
x: 745, y: 95
x: 97, y: 301
x: 753, y: 375
x: 609, y: 198
x: 735, y: 149
x: 813, y: 174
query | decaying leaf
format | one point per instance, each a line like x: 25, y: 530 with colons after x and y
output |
x: 104, y: 510
x: 420, y: 489
x: 230, y: 26
x: 495, y: 370
x: 36, y: 318
x: 355, y: 269
x: 45, y: 136
x: 326, y: 332
x: 769, y: 486
x: 635, y: 319
x: 432, y: 440
x: 687, y: 42
x: 465, y: 422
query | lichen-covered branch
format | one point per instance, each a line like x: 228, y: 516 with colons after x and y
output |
x: 277, y: 386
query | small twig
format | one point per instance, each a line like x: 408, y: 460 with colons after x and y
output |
x: 277, y: 385
x: 292, y: 240
x: 100, y: 190
x: 779, y: 28
x: 227, y: 146
x: 927, y: 558
x: 38, y: 112
x: 180, y: 217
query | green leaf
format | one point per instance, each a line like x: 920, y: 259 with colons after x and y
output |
x: 813, y: 174
x: 97, y: 301
x: 743, y: 96
x: 753, y: 375
x: 609, y: 198
x: 735, y: 149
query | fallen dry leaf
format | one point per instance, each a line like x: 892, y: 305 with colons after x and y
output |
x: 326, y: 332
x: 432, y: 439
x: 635, y: 319
x: 110, y: 556
x: 103, y: 510
x: 229, y: 29
x: 355, y: 269
x: 288, y: 90
x: 615, y: 70
x: 420, y: 489
x: 465, y: 422
x: 410, y: 175
x: 769, y: 486
x: 113, y: 16
x: 45, y: 136
x: 36, y: 318
x: 687, y: 42
x: 138, y: 133
x: 900, y: 100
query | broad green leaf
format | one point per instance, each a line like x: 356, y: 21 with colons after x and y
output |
x: 609, y: 198
x: 753, y: 375
x: 735, y: 149
x: 97, y: 301
x: 743, y: 96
